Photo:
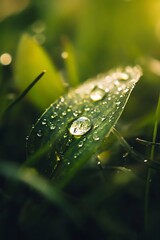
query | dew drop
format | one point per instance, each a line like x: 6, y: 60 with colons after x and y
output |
x: 80, y: 126
x: 95, y: 137
x: 54, y: 115
x: 52, y: 127
x: 65, y: 135
x: 97, y: 94
x: 39, y: 133
x: 44, y: 122
x: 126, y: 90
x: 75, y: 113
x: 64, y: 113
x: 80, y: 144
x: 119, y: 89
x: 125, y: 155
x: 107, y: 90
x: 27, y: 137
x: 86, y: 109
x: 103, y: 118
x: 118, y: 103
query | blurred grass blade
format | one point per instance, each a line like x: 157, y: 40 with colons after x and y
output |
x: 31, y: 177
x: 75, y: 126
x: 24, y: 93
x: 70, y: 63
x: 158, y: 111
x: 31, y: 59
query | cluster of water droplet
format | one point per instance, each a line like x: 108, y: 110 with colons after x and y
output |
x: 82, y: 114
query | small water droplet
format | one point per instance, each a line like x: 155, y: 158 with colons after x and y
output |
x: 80, y: 126
x: 64, y: 113
x: 80, y: 144
x: 118, y: 103
x: 103, y: 118
x: 107, y: 90
x: 52, y: 127
x: 123, y: 76
x: 44, y: 121
x: 27, y: 137
x: 57, y: 157
x: 120, y: 89
x: 39, y: 133
x: 125, y: 155
x: 97, y: 94
x: 75, y: 113
x: 62, y: 99
x: 54, y: 115
x: 126, y: 90
x: 95, y: 137
x: 65, y: 135
x: 86, y: 109
x: 116, y: 82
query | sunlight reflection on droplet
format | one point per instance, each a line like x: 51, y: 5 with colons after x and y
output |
x: 5, y: 59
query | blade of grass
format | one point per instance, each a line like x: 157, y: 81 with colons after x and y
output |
x: 146, y: 143
x: 149, y: 174
x: 30, y: 177
x: 136, y: 155
x: 33, y: 57
x: 24, y: 93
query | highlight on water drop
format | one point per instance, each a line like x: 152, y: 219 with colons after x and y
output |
x: 80, y: 126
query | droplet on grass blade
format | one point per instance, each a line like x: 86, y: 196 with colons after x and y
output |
x: 97, y: 94
x: 84, y: 117
x: 80, y: 126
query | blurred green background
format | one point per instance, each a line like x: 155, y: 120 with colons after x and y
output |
x: 98, y: 35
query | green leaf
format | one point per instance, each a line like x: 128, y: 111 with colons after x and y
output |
x: 73, y: 128
x: 31, y: 60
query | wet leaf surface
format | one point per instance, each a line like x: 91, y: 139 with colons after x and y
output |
x: 73, y: 128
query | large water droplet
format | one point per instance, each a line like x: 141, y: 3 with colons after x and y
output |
x: 80, y: 126
x: 97, y: 94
